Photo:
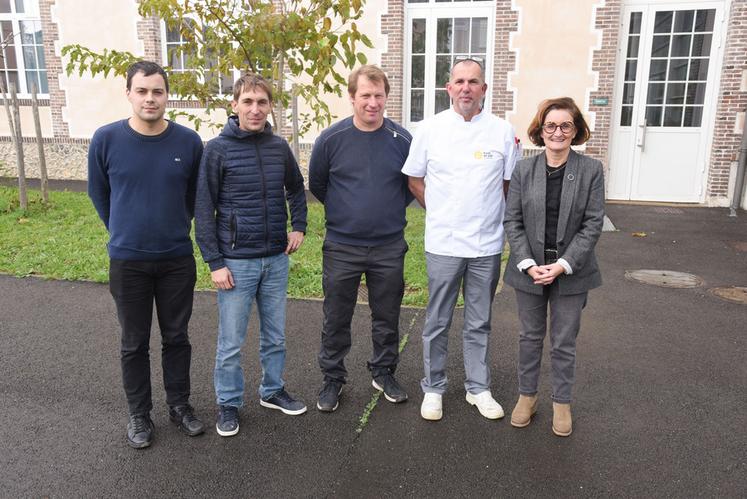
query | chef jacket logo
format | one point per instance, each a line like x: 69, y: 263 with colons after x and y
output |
x: 487, y: 154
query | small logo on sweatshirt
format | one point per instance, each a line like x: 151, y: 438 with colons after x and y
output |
x: 177, y: 160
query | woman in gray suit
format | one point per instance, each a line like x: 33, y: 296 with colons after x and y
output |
x: 554, y: 217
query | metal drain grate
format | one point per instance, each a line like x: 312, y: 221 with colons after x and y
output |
x: 667, y: 210
x: 734, y: 294
x: 664, y: 278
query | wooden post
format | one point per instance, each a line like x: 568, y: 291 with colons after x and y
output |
x: 40, y: 144
x: 6, y: 95
x: 296, y: 146
x: 6, y: 99
x: 22, y: 197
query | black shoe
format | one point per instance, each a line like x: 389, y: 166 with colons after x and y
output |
x: 329, y: 396
x: 284, y: 402
x: 140, y: 431
x: 184, y: 419
x: 228, y: 421
x: 392, y: 391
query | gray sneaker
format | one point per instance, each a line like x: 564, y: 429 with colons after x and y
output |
x: 140, y: 431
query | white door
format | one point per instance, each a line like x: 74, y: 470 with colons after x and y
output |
x: 664, y: 105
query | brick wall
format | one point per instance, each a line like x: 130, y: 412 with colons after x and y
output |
x: 57, y: 99
x: 725, y: 147
x: 504, y: 60
x: 149, y: 32
x: 607, y: 20
x: 392, y: 62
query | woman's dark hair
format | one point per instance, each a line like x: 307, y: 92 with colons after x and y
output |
x: 566, y: 104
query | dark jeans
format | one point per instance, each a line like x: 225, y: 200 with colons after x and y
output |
x: 134, y: 286
x: 343, y: 266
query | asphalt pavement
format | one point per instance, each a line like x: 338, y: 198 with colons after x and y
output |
x: 660, y: 405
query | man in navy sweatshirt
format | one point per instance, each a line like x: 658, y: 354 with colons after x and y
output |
x: 355, y: 171
x: 142, y: 173
x: 246, y: 176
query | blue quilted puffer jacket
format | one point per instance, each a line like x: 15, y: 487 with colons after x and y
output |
x: 244, y: 181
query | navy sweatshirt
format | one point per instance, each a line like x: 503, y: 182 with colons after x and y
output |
x: 357, y: 176
x: 143, y: 188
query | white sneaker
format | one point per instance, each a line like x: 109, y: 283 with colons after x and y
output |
x: 486, y: 404
x: 431, y: 408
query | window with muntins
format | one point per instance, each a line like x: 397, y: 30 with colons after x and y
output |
x: 178, y: 60
x: 22, y: 46
x: 438, y: 34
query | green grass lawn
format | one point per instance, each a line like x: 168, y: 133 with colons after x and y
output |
x: 66, y: 240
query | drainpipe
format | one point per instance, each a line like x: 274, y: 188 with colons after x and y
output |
x: 741, y: 166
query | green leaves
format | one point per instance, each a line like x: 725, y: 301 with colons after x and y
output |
x: 286, y: 42
x: 84, y: 59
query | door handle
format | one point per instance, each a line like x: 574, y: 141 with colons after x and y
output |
x: 641, y: 142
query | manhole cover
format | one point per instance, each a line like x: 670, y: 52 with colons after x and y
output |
x: 664, y: 278
x: 734, y: 294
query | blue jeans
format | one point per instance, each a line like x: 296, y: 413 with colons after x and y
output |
x: 266, y: 280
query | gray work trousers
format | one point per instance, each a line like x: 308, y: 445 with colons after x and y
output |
x: 479, y: 278
x: 565, y: 321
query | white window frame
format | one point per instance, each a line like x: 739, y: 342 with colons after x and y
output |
x: 166, y: 62
x: 431, y: 12
x: 31, y: 14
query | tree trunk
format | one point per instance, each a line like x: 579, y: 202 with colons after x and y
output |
x: 18, y: 139
x: 42, y: 160
x: 296, y: 146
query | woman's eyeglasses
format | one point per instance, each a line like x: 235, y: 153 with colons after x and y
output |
x: 565, y: 127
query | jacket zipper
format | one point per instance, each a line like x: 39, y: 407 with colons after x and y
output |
x: 232, y: 225
x: 264, y: 195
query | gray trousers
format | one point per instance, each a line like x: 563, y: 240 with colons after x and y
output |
x: 565, y: 321
x: 479, y: 279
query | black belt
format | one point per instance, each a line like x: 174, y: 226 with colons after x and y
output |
x: 551, y: 256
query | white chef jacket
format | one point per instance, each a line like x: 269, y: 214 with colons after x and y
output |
x: 464, y: 164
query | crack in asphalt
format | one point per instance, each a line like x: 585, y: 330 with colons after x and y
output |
x: 368, y: 410
x: 371, y: 405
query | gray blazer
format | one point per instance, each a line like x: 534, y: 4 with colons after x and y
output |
x: 579, y: 222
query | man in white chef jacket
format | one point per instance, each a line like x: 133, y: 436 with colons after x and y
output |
x: 459, y: 166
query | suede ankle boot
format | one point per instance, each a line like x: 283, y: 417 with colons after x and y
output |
x: 525, y: 408
x: 562, y: 423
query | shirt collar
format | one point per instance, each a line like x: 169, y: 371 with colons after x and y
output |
x: 458, y: 117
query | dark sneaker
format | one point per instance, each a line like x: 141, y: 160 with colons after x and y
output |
x: 392, y: 391
x: 140, y: 431
x: 329, y: 396
x: 282, y: 401
x: 228, y: 421
x: 184, y: 418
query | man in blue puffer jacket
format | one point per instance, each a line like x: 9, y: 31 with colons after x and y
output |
x: 245, y: 177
